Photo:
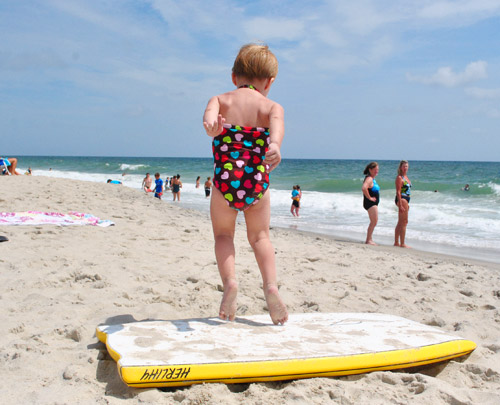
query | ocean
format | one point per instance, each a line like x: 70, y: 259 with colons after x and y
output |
x: 443, y: 217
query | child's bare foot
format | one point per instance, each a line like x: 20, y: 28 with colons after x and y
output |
x: 370, y: 242
x: 276, y: 307
x: 227, y: 309
x: 405, y: 246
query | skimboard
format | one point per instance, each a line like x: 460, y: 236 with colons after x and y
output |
x: 201, y: 350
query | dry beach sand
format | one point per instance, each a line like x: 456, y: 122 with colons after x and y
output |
x: 157, y: 262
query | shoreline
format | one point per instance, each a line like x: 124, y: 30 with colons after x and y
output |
x: 157, y: 262
x: 424, y: 254
x: 444, y: 253
x: 456, y: 241
x: 486, y: 257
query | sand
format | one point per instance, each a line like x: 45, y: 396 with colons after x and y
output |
x: 157, y: 262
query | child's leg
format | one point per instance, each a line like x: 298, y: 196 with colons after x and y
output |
x: 257, y: 219
x: 223, y: 222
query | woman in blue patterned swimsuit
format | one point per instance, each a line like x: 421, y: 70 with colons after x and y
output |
x: 403, y: 188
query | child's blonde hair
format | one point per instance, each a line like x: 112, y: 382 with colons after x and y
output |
x: 255, y: 62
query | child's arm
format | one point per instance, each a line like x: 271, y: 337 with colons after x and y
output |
x: 212, y: 120
x: 276, y: 133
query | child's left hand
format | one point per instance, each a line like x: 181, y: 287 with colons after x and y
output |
x: 215, y: 128
x: 273, y: 156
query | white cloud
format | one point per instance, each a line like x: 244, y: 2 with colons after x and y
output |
x: 461, y: 8
x: 480, y: 93
x: 446, y: 77
x: 99, y: 15
x: 361, y: 17
x: 274, y: 28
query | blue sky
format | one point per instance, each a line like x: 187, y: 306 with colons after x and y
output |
x: 358, y: 79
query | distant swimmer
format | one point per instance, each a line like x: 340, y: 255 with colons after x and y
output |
x: 466, y: 188
x: 403, y: 188
x: 371, y: 198
x: 146, y: 183
x: 208, y: 186
x: 114, y: 181
x: 198, y: 182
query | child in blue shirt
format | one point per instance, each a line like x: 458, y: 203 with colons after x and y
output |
x: 159, y: 186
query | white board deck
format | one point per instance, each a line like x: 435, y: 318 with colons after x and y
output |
x: 188, y: 351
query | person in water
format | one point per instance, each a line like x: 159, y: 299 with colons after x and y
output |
x: 371, y: 198
x: 247, y: 130
x: 158, y: 186
x: 176, y: 187
x: 296, y: 195
x: 146, y: 183
x: 208, y: 186
x: 403, y: 189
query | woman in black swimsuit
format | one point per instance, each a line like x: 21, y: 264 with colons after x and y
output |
x: 371, y: 198
x: 176, y: 187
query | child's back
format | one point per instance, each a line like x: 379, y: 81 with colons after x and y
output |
x: 245, y: 150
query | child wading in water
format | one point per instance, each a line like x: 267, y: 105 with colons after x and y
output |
x: 245, y: 151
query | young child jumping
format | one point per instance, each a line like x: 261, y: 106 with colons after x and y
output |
x: 245, y: 151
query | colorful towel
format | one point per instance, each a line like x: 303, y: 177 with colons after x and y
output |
x: 51, y: 218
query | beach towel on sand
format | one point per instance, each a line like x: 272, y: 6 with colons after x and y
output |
x: 51, y: 218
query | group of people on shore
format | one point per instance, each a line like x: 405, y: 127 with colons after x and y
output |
x: 371, y: 199
x: 173, y: 183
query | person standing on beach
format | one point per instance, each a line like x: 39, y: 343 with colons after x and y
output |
x: 403, y: 188
x: 158, y: 186
x: 244, y: 154
x: 296, y: 196
x: 208, y: 187
x: 371, y: 198
x: 176, y: 187
x: 146, y: 183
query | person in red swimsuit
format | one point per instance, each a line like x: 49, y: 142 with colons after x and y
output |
x: 245, y: 150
